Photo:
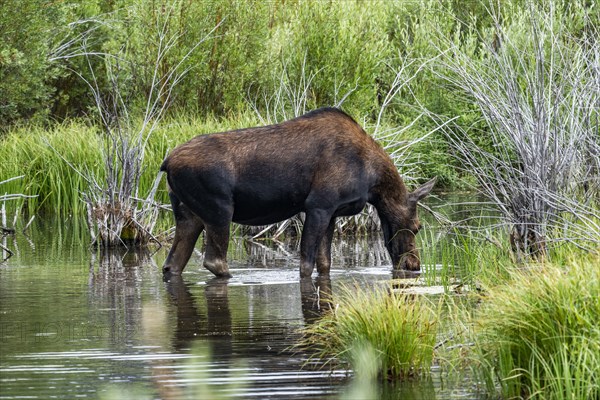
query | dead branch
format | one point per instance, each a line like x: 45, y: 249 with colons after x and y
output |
x: 115, y: 215
x: 540, y: 101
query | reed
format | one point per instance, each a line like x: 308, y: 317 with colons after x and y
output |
x: 461, y: 256
x: 400, y: 330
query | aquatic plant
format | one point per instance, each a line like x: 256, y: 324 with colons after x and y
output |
x: 399, y: 329
x: 537, y: 336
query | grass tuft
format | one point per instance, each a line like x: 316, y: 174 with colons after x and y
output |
x: 537, y: 336
x: 399, y: 329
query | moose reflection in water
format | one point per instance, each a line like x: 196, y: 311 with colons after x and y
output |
x: 219, y: 330
x: 316, y: 297
x: 323, y: 164
x: 216, y: 322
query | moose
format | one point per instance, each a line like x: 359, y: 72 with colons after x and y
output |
x: 322, y: 163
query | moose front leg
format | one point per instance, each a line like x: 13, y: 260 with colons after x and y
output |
x: 316, y: 225
x: 324, y: 253
x: 217, y: 242
x: 187, y: 229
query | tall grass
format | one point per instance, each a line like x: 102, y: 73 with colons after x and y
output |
x: 537, y: 336
x: 46, y: 175
x: 58, y: 186
x: 458, y: 255
x: 400, y: 330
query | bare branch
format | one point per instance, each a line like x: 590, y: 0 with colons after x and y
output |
x: 539, y: 99
x: 115, y: 214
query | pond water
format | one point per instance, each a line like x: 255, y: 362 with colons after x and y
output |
x: 75, y: 324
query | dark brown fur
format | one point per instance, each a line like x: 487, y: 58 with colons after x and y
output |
x: 322, y: 163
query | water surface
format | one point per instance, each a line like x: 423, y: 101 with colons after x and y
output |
x: 77, y: 324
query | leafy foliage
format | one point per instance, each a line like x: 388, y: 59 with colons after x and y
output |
x: 26, y: 36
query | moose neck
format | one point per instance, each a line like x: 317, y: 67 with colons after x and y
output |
x: 390, y: 197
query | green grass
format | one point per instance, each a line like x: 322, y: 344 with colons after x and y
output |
x: 46, y: 175
x: 537, y: 335
x: 529, y: 331
x: 398, y: 330
x: 49, y: 159
x: 461, y: 256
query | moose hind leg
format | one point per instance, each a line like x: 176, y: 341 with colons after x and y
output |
x: 215, y: 257
x: 187, y: 229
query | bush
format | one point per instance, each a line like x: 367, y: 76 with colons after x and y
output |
x: 344, y: 45
x: 25, y: 72
x: 535, y: 85
x: 221, y: 71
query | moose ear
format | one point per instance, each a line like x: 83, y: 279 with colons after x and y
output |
x: 422, y: 191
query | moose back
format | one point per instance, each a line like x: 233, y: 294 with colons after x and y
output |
x: 322, y: 163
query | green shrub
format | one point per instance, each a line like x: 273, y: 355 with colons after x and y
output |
x: 25, y: 72
x: 223, y: 69
x: 343, y: 44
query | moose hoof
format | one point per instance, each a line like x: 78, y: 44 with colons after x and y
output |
x: 171, y: 271
x: 218, y: 268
